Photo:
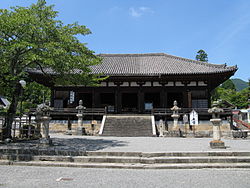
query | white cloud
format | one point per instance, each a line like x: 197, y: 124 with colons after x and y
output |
x: 134, y: 13
x: 145, y: 9
x: 114, y: 9
x: 140, y: 11
x: 235, y: 29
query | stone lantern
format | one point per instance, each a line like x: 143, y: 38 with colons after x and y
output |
x: 161, y: 128
x: 80, y: 111
x: 175, y: 115
x: 43, y: 117
x: 216, y: 121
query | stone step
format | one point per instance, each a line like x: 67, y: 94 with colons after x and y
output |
x: 129, y: 126
x: 127, y: 134
x: 170, y: 154
x: 127, y: 129
x: 79, y: 152
x: 140, y: 160
x: 127, y: 165
x: 126, y: 159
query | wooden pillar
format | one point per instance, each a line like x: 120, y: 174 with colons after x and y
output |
x: 141, y: 100
x: 189, y: 99
x: 93, y: 98
x: 96, y: 98
x: 163, y: 97
x: 77, y: 98
x: 185, y: 99
x: 118, y: 105
x: 52, y: 96
x: 208, y: 98
x: 116, y: 99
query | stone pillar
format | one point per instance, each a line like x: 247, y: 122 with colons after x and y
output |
x: 216, y: 143
x: 69, y: 130
x: 161, y: 128
x: 38, y: 121
x: 175, y: 116
x: 185, y: 122
x: 216, y: 129
x: 46, y: 140
x: 80, y: 109
x: 43, y: 117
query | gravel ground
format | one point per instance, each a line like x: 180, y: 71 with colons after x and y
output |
x: 150, y: 144
x: 20, y: 176
x: 31, y: 176
x: 134, y: 144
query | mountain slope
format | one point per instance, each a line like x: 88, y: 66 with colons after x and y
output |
x: 239, y: 84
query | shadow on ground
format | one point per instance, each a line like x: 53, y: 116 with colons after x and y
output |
x: 82, y: 144
x: 87, y: 144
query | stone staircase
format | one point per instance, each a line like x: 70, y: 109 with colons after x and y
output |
x: 129, y: 160
x: 128, y: 126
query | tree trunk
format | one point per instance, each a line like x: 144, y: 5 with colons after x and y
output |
x: 12, y: 110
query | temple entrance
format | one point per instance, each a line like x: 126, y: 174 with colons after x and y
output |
x: 151, y: 100
x: 86, y: 99
x: 174, y: 96
x: 108, y: 101
x: 129, y: 102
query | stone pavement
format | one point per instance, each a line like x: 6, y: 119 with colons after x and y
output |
x: 134, y: 144
x: 32, y: 177
x: 38, y: 176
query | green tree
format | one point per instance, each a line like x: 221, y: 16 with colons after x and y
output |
x: 34, y: 94
x: 31, y: 37
x: 240, y: 99
x: 228, y: 84
x: 201, y: 56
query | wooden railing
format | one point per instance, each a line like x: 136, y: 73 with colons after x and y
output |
x: 155, y: 111
x: 73, y: 111
x: 200, y: 111
x: 245, y: 124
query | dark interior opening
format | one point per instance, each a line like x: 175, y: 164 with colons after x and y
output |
x: 86, y: 99
x: 107, y: 99
x: 129, y: 102
x: 171, y: 97
x: 153, y: 98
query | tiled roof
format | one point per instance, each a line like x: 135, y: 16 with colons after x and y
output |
x: 150, y: 64
x: 154, y: 64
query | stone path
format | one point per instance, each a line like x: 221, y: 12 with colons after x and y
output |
x: 134, y: 144
x: 32, y: 177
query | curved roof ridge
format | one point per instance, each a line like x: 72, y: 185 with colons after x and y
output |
x: 200, y: 62
x: 132, y: 55
x: 208, y: 64
x: 153, y: 64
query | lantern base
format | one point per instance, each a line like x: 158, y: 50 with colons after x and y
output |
x: 217, y: 144
x: 46, y: 142
x: 81, y: 131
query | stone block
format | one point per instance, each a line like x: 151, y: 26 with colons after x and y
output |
x: 80, y: 131
x: 217, y: 144
x: 240, y: 134
x: 45, y: 142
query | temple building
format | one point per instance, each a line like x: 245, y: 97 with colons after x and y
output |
x: 137, y: 83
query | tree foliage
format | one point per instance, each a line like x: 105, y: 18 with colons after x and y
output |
x: 228, y: 84
x: 239, y: 99
x: 31, y: 37
x: 201, y: 56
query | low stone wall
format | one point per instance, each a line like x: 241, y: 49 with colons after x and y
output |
x: 203, y: 129
x: 63, y: 128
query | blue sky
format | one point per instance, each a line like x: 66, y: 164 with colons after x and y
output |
x: 177, y: 27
